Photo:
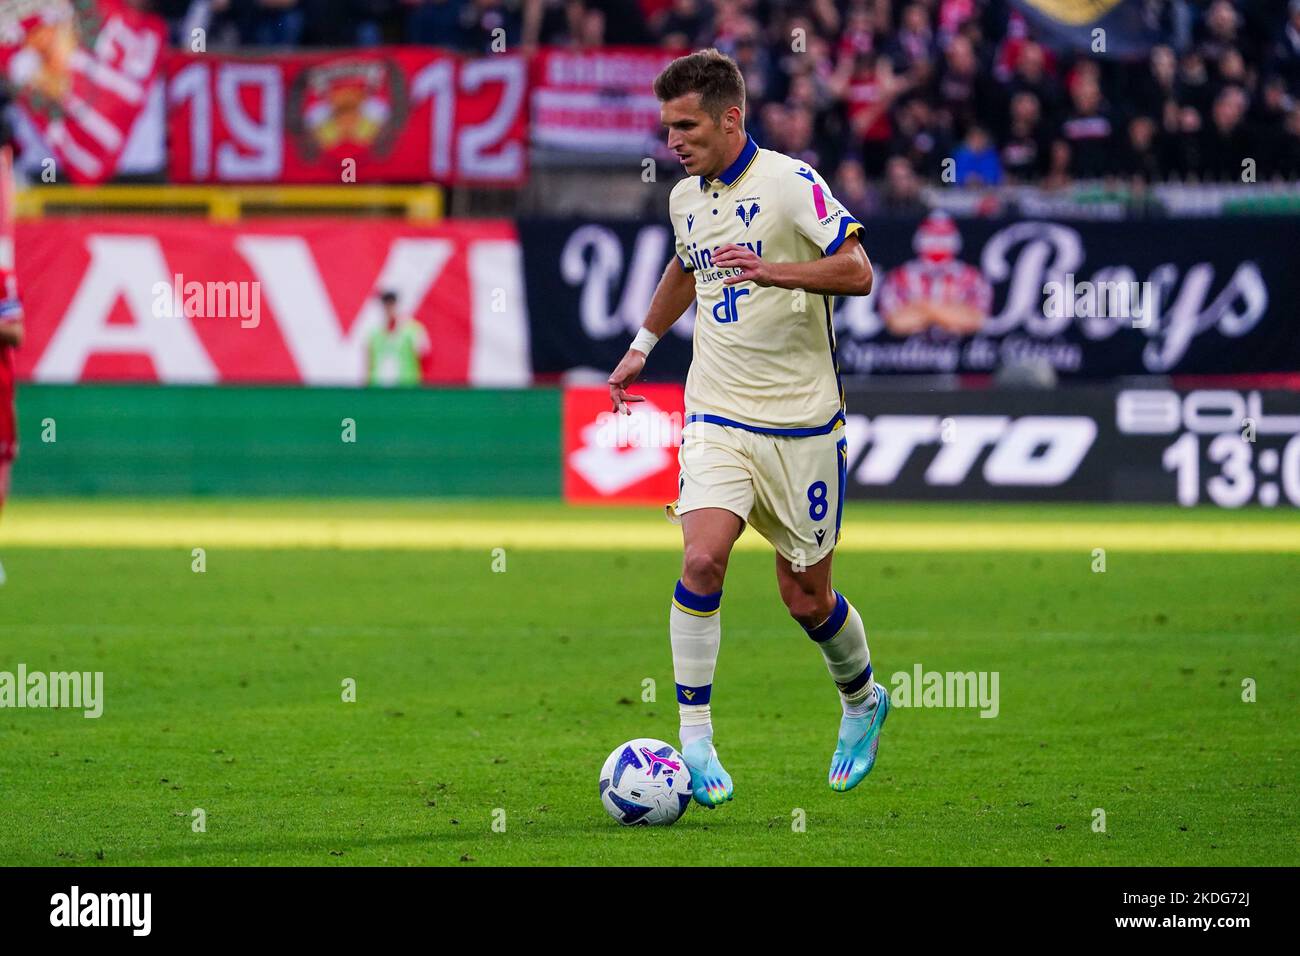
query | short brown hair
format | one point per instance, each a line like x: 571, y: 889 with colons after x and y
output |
x: 711, y: 74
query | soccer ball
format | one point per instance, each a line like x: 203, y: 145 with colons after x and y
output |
x: 645, y: 783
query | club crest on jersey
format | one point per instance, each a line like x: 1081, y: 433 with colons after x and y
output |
x: 747, y: 215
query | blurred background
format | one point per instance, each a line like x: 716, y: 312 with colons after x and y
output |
x: 240, y: 225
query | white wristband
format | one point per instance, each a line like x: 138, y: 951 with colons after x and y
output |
x: 645, y: 340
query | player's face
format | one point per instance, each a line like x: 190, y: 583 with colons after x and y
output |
x: 696, y: 138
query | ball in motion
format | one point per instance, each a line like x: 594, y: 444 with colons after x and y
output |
x: 645, y: 783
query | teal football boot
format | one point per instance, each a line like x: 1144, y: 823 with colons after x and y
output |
x: 710, y: 784
x: 855, y: 753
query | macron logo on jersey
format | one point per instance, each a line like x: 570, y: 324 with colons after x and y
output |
x: 690, y: 221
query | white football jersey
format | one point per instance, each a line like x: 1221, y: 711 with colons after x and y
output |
x: 764, y: 358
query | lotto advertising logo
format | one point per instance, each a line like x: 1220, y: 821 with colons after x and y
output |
x: 963, y: 451
x: 628, y: 459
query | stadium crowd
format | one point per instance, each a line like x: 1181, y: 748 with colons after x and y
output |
x: 885, y: 90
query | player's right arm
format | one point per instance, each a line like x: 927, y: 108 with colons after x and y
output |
x: 673, y: 295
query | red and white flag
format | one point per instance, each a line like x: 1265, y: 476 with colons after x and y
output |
x: 80, y: 70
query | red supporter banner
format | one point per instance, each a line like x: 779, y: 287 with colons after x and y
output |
x: 624, y: 459
x: 180, y: 301
x: 396, y: 114
x: 597, y: 100
x: 80, y: 71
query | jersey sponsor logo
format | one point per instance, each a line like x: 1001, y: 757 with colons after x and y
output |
x: 728, y: 309
x: 747, y: 215
x: 702, y: 259
x: 827, y: 220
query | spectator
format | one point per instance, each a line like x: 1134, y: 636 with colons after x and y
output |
x: 1088, y: 130
x: 799, y: 140
x: 1159, y: 85
x: 902, y: 193
x: 1226, y: 143
x: 953, y: 14
x: 853, y: 191
x: 1267, y: 121
x: 1032, y: 76
x: 1284, y: 58
x: 1187, y: 158
x: 918, y: 138
x: 1230, y: 70
x: 434, y: 22
x: 549, y: 23
x: 1219, y: 29
x: 685, y: 25
x: 772, y: 126
x: 859, y: 35
x: 1058, y: 166
x: 1141, y: 160
x: 747, y: 49
x: 959, y: 85
x: 588, y: 27
x: 1024, y: 154
x: 623, y: 23
x: 977, y: 160
x: 870, y: 92
x: 1194, y: 82
x: 915, y: 42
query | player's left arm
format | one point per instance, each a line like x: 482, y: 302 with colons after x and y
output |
x: 805, y: 204
x: 846, y: 271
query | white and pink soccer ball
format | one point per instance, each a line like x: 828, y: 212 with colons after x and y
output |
x: 645, y: 783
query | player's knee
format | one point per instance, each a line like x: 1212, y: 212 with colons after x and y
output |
x: 809, y: 608
x: 703, y: 571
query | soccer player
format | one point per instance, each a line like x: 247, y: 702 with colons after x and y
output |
x: 762, y: 247
x: 11, y: 323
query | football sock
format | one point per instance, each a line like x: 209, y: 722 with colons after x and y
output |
x: 842, y: 638
x: 695, y: 628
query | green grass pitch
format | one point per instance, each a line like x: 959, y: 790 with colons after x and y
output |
x: 479, y: 692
